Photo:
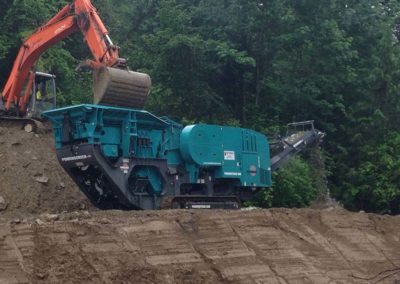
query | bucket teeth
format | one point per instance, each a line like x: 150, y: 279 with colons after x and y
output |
x: 118, y: 87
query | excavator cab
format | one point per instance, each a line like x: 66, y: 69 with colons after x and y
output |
x: 43, y: 96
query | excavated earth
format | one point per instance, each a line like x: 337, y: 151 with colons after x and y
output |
x: 31, y: 179
x: 50, y: 234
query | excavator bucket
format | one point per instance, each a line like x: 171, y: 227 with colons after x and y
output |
x: 118, y: 87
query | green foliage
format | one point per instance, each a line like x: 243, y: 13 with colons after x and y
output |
x: 374, y: 185
x: 293, y: 186
x: 255, y: 64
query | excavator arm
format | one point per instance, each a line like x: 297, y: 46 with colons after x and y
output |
x: 79, y: 16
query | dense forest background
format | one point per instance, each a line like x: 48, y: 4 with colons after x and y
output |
x: 257, y: 64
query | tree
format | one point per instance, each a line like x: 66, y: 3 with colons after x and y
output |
x: 253, y: 64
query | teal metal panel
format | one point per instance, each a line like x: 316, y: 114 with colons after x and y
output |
x: 235, y: 154
x: 134, y: 132
x: 110, y: 150
x: 202, y: 145
x: 152, y: 175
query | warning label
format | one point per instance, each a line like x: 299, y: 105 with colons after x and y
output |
x: 229, y: 155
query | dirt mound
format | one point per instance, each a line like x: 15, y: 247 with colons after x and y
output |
x: 31, y: 179
x: 258, y: 246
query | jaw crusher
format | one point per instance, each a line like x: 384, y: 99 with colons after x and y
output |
x: 131, y: 159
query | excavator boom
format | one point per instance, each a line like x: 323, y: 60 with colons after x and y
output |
x: 79, y: 16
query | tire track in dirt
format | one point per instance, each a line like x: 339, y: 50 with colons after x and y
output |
x: 259, y: 246
x: 11, y: 269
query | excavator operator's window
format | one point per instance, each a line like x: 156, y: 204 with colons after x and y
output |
x: 41, y: 88
x: 38, y: 95
x: 44, y: 95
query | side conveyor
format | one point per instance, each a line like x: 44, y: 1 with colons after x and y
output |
x: 295, y: 142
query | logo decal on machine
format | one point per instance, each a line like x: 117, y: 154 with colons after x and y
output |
x: 232, y: 174
x: 60, y: 29
x: 229, y: 155
x: 76, y: 158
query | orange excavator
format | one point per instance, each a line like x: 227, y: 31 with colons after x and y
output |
x: 113, y: 83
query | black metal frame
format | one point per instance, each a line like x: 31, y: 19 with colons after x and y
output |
x: 108, y: 187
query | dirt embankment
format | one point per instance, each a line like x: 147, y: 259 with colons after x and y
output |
x: 31, y: 179
x: 257, y: 246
